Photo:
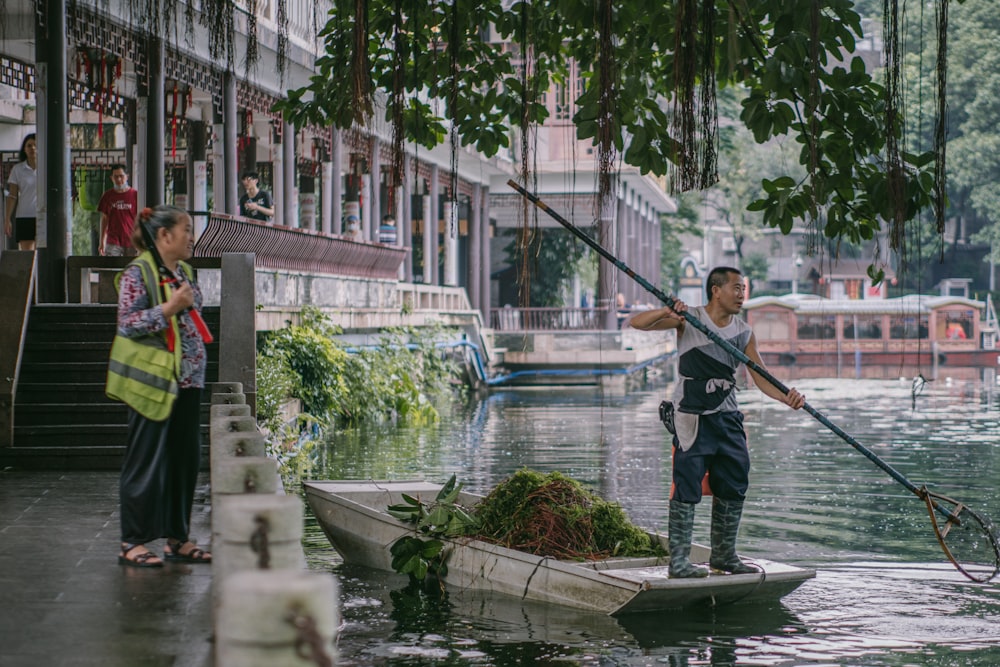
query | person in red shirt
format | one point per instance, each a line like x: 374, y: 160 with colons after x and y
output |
x: 119, y: 207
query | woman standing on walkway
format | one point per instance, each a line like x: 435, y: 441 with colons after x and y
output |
x: 157, y: 367
x: 22, y: 205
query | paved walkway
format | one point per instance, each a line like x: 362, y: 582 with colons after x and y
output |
x: 65, y: 601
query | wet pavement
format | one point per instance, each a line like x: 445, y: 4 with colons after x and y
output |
x: 65, y: 601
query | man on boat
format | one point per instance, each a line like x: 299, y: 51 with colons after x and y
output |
x: 709, y: 435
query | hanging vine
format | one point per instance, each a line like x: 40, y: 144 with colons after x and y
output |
x: 608, y: 127
x: 815, y: 126
x: 360, y: 71
x: 667, y: 54
x: 397, y: 101
x: 684, y: 174
x: 455, y: 46
x: 941, y: 119
x: 896, y: 182
x: 708, y: 105
x: 528, y: 238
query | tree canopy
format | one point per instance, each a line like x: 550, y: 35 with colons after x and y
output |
x: 650, y: 72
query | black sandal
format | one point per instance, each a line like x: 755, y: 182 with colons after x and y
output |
x: 172, y: 552
x: 145, y: 559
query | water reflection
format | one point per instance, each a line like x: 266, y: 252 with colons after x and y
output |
x: 884, y: 594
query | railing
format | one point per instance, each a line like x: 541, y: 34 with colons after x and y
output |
x: 547, y: 319
x: 292, y: 249
x: 418, y: 296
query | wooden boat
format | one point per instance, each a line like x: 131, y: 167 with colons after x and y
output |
x: 353, y: 515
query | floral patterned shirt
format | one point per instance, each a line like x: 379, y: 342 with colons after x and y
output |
x: 136, y: 318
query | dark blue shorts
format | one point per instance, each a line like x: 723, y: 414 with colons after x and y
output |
x: 24, y: 229
x: 720, y: 450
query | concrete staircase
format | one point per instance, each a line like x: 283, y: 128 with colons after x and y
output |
x: 62, y: 419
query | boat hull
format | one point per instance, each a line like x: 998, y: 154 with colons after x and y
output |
x: 353, y: 517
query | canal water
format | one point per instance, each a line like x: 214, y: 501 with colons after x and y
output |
x: 884, y: 594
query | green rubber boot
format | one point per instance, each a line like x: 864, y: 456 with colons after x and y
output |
x: 726, y: 516
x: 680, y: 527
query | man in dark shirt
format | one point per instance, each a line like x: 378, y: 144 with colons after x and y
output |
x: 256, y: 204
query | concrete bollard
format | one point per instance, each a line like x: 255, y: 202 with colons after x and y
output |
x: 222, y: 410
x: 240, y: 443
x: 222, y: 399
x: 244, y: 474
x: 256, y: 532
x: 277, y: 619
x: 226, y: 387
x: 223, y: 425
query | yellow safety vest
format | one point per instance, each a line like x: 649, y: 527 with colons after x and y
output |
x: 142, y: 372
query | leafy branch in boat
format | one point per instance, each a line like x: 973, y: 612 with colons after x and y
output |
x: 423, y: 553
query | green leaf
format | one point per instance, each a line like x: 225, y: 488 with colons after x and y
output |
x: 431, y: 549
x: 439, y: 516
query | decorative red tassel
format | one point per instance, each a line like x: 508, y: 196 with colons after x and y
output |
x: 173, y: 138
x: 202, y: 328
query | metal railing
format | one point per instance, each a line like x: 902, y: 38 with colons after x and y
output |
x: 547, y: 319
x: 292, y: 249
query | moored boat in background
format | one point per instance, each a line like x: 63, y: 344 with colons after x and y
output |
x: 915, y: 331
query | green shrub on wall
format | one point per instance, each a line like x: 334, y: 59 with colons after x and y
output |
x: 343, y: 386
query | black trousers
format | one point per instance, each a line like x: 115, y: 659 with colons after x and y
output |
x: 156, y: 488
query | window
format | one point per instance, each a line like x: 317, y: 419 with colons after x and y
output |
x: 817, y: 327
x: 908, y: 326
x: 955, y: 324
x: 771, y: 326
x: 561, y: 107
x: 862, y: 326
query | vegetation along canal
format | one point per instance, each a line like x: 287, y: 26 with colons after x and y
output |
x: 884, y: 595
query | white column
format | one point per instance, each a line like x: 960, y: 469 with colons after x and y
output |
x: 374, y: 191
x: 278, y: 172
x: 139, y: 164
x: 430, y: 239
x: 326, y: 215
x: 218, y: 170
x: 450, y: 217
x: 199, y: 194
x: 366, y: 207
x: 337, y: 183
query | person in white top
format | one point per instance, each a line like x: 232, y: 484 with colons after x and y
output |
x: 22, y: 206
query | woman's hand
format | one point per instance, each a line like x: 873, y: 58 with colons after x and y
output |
x: 181, y: 299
